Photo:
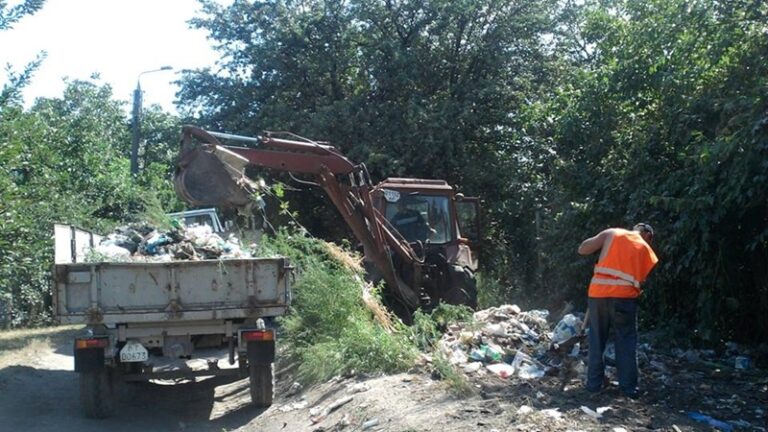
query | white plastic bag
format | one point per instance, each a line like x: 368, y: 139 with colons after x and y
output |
x: 567, y: 328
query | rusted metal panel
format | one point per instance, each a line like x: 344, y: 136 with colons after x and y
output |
x: 415, y: 184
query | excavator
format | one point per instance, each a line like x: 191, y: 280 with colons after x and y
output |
x: 417, y: 235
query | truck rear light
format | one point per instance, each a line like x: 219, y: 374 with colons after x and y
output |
x: 258, y: 335
x: 91, y: 343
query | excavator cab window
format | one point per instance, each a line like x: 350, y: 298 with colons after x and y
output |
x: 421, y: 218
x: 467, y: 211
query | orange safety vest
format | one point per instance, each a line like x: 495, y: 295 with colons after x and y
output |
x: 624, y: 267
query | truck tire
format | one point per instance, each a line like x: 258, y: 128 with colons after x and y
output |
x: 97, y: 395
x: 462, y: 289
x: 262, y: 384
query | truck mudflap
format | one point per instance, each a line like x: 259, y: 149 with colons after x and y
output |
x: 89, y: 353
x: 261, y: 352
x: 260, y: 345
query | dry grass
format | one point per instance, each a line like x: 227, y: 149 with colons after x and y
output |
x: 348, y: 259
x: 22, y: 344
x: 380, y: 313
x: 354, y: 262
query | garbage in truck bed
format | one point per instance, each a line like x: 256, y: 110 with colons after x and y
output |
x: 143, y: 242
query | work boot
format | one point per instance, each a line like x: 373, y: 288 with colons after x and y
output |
x: 634, y: 395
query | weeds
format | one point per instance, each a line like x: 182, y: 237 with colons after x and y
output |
x: 154, y: 212
x: 332, y: 328
x: 454, y: 378
x: 428, y: 328
x: 29, y: 342
x: 329, y: 329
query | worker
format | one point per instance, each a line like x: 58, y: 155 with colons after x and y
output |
x: 410, y: 223
x: 626, y: 258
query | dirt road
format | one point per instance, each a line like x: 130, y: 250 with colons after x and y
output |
x: 39, y: 392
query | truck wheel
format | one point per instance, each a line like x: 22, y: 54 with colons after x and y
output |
x: 97, y: 396
x: 262, y: 384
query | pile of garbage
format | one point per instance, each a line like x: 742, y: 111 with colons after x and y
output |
x: 143, y: 242
x: 507, y: 341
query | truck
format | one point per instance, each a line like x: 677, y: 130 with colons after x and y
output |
x: 167, y: 320
x: 418, y: 235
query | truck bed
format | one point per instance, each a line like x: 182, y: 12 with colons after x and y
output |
x: 178, y: 291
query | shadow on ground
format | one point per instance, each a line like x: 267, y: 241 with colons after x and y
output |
x: 35, y: 399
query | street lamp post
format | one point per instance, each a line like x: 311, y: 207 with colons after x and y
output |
x: 137, y: 119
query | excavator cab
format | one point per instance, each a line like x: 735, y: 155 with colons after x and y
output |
x: 443, y: 226
x: 431, y: 213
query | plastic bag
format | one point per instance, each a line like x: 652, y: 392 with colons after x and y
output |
x: 526, y: 367
x: 113, y: 251
x: 567, y: 328
x: 503, y: 370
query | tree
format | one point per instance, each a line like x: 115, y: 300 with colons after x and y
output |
x: 665, y: 122
x: 566, y: 117
x: 411, y: 88
x: 11, y: 91
x: 60, y: 162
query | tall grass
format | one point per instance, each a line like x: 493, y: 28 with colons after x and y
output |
x: 329, y: 330
x: 427, y: 330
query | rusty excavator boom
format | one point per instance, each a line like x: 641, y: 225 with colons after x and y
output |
x: 422, y: 256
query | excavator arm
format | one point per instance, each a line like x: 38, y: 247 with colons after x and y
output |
x: 209, y: 173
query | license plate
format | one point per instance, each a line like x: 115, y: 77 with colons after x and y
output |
x: 133, y: 352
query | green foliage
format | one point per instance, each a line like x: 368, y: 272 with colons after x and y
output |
x: 60, y: 163
x: 411, y: 88
x: 426, y: 331
x: 159, y: 144
x: 428, y: 328
x: 566, y: 117
x: 154, y: 212
x: 491, y: 291
x: 10, y: 94
x: 668, y: 124
x: 329, y: 330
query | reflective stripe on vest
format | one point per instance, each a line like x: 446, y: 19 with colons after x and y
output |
x: 624, y: 277
x: 602, y: 281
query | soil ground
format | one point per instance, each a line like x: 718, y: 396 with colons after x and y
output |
x: 39, y: 392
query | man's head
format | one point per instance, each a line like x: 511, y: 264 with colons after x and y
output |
x: 645, y: 230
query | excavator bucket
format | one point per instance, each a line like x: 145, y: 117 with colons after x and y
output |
x: 207, y: 174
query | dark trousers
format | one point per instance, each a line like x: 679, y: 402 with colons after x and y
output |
x: 621, y: 315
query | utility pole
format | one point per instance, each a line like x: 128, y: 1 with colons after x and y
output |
x: 136, y: 119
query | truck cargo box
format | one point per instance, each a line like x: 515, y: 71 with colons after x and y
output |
x: 117, y: 292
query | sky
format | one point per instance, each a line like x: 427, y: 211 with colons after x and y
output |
x: 118, y: 39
